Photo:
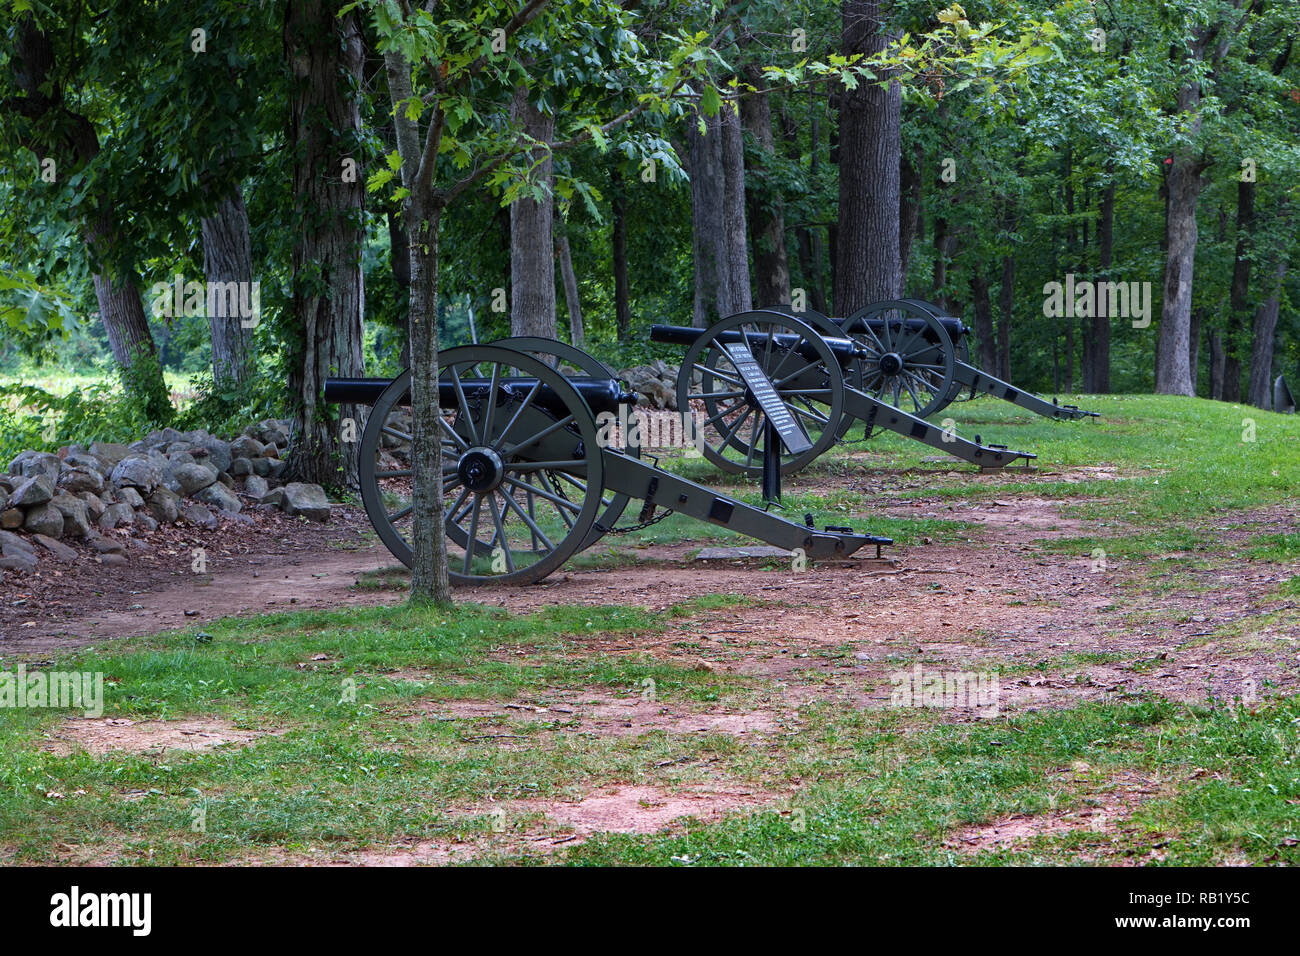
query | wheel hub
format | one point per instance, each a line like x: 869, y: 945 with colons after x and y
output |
x: 891, y: 363
x: 481, y: 469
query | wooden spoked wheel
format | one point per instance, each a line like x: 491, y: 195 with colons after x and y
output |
x: 802, y: 369
x: 556, y: 354
x: 521, y: 468
x: 907, y: 359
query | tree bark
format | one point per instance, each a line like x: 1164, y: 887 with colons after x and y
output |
x: 1100, y: 364
x: 985, y: 339
x: 577, y: 334
x: 764, y: 205
x: 228, y: 257
x: 73, y: 147
x: 399, y: 263
x: 736, y: 228
x: 1260, y: 392
x: 1217, y: 359
x: 1239, y: 310
x: 867, y: 241
x: 324, y: 56
x: 709, y: 246
x: 909, y: 211
x: 532, y: 242
x: 1183, y: 183
x: 622, y: 292
x: 1007, y: 301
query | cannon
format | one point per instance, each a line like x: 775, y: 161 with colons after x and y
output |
x: 528, y: 477
x: 821, y: 377
x: 896, y: 366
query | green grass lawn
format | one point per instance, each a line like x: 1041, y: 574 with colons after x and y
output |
x: 359, y: 750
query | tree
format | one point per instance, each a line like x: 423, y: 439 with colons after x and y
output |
x: 322, y: 42
x: 532, y: 262
x: 867, y: 249
x: 67, y: 139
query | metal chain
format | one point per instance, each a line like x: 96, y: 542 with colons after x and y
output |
x: 633, y: 527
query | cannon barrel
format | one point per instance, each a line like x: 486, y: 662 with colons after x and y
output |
x: 844, y: 349
x: 600, y: 394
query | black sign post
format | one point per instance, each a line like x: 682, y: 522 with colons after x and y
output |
x: 781, y: 427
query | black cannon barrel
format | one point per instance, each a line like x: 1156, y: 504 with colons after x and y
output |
x: 600, y: 394
x: 955, y: 327
x: 844, y: 349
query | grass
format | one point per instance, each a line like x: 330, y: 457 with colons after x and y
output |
x: 1178, y: 784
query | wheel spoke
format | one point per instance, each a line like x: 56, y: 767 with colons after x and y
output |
x: 502, y: 542
x: 464, y: 404
x: 528, y: 400
x: 549, y: 429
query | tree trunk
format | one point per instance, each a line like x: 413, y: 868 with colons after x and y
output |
x: 733, y: 202
x: 324, y: 56
x: 227, y: 258
x: 429, y: 578
x: 909, y: 210
x: 1184, y: 182
x: 867, y: 242
x: 1006, y: 301
x: 709, y: 246
x: 1260, y: 392
x: 399, y: 262
x: 577, y: 335
x: 985, y: 340
x: 1239, y: 310
x: 1100, y: 384
x: 1194, y: 346
x: 74, y: 145
x: 1217, y: 359
x: 532, y: 244
x: 622, y: 295
x: 763, y: 201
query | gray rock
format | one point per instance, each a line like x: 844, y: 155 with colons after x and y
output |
x: 11, y: 518
x: 81, y: 479
x: 240, y: 466
x: 274, y: 498
x: 246, y: 446
x: 137, y: 472
x: 11, y: 544
x: 57, y: 548
x: 193, y: 477
x: 261, y: 466
x: 218, y: 452
x: 199, y: 515
x: 219, y: 497
x: 114, y: 560
x: 111, y: 452
x: 177, y: 458
x: 277, y: 470
x: 33, y: 491
x: 32, y: 463
x: 146, y: 521
x: 76, y: 516
x: 106, y: 545
x: 7, y: 483
x: 307, y: 500
x: 164, y: 506
x: 234, y: 516
x: 4, y: 499
x: 116, y: 516
x: 88, y: 462
x: 94, y: 505
x: 44, y: 519
x: 256, y: 486
x: 20, y: 563
x: 129, y: 496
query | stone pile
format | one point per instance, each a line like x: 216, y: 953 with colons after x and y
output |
x: 655, y: 384
x: 168, y: 477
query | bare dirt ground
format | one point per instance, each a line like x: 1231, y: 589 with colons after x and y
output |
x: 1057, y: 631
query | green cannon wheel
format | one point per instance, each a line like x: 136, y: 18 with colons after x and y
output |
x: 802, y: 369
x: 522, y: 471
x: 908, y: 359
x: 555, y: 354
